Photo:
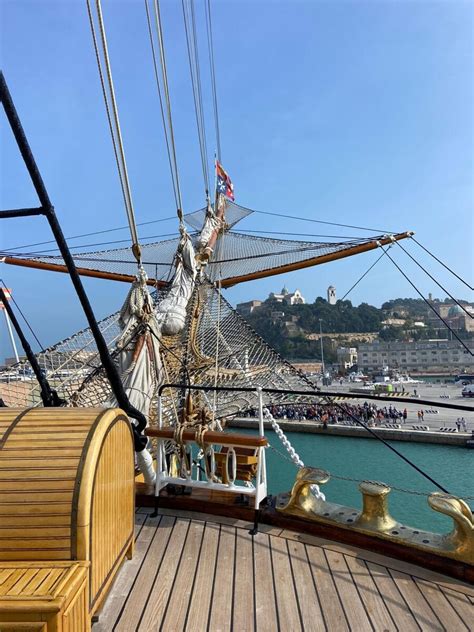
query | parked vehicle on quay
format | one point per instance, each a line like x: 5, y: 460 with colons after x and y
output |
x: 468, y: 391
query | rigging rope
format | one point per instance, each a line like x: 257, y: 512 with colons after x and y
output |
x: 350, y: 479
x: 364, y: 275
x: 101, y: 243
x: 443, y: 264
x: 437, y: 282
x: 164, y: 74
x: 22, y: 314
x: 115, y: 126
x: 210, y: 46
x: 319, y: 221
x: 97, y: 232
x: 428, y: 303
x: 294, y: 456
x: 194, y: 69
x: 374, y: 434
x: 165, y: 128
x: 280, y: 232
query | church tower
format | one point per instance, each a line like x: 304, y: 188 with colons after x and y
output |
x: 331, y: 295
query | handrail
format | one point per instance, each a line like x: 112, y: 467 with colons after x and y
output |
x: 315, y: 393
x: 211, y: 437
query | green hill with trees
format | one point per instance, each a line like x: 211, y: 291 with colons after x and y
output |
x: 288, y: 328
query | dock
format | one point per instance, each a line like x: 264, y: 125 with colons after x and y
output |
x: 393, y: 434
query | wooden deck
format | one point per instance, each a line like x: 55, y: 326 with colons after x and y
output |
x: 198, y: 572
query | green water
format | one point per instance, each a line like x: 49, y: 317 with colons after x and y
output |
x: 451, y: 466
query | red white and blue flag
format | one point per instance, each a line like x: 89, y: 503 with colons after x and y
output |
x: 224, y: 183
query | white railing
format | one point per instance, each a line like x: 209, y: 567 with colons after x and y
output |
x: 223, y: 460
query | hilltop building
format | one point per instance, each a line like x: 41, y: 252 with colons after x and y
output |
x: 247, y: 308
x: 290, y: 298
x: 331, y: 295
x: 285, y: 296
x: 453, y: 314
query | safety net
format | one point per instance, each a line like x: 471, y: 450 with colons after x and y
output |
x: 236, y: 258
x: 216, y: 348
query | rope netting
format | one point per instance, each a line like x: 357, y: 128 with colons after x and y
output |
x: 244, y: 255
x: 248, y: 254
x: 219, y: 340
x: 233, y: 214
x: 216, y: 346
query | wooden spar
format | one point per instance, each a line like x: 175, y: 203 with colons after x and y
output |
x: 290, y: 267
x: 211, y: 437
x: 341, y: 254
x: 97, y: 274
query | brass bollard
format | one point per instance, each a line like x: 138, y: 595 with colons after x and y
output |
x: 375, y: 515
x: 301, y: 498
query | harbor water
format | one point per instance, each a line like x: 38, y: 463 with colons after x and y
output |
x: 451, y: 466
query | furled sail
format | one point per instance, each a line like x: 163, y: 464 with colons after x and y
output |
x: 171, y: 311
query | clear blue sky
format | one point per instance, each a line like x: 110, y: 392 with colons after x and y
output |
x: 354, y: 112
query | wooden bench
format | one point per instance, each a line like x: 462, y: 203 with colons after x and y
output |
x: 67, y: 495
x: 44, y: 597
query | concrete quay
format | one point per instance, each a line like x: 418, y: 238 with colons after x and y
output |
x: 392, y: 434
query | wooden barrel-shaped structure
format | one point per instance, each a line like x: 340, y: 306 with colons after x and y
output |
x: 67, y: 489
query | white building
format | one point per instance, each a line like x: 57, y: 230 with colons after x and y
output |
x: 427, y: 356
x: 290, y: 298
x: 346, y: 357
x: 331, y: 295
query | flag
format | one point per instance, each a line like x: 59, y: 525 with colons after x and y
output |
x: 224, y: 183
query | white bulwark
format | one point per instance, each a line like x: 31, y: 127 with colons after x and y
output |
x: 430, y: 355
x: 331, y: 295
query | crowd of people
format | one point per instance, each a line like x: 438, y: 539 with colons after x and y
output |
x: 331, y: 414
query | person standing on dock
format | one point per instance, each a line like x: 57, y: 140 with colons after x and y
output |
x: 405, y: 416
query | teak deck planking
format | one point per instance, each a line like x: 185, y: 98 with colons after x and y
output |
x: 198, y: 572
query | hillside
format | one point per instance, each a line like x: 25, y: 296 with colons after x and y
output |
x: 293, y: 330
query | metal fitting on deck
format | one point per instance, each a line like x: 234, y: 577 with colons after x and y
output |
x: 375, y: 515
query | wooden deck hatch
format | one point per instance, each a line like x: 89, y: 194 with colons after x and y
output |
x: 67, y: 489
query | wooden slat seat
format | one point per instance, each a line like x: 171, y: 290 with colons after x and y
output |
x: 44, y: 596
